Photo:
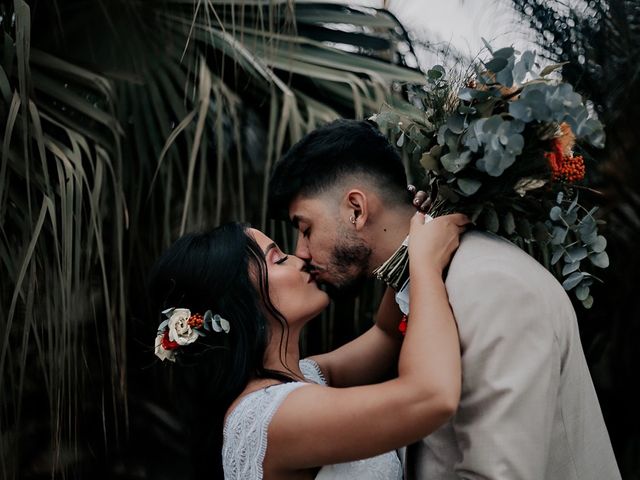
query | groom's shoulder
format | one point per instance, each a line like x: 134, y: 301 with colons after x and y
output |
x: 480, y: 251
x: 487, y: 266
x: 478, y: 245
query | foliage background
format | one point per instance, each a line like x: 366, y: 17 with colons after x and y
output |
x: 126, y: 123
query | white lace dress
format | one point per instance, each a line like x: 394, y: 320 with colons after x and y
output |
x: 245, y: 437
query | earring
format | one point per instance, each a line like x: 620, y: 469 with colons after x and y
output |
x: 352, y: 219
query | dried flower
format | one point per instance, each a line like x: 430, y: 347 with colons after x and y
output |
x: 566, y: 140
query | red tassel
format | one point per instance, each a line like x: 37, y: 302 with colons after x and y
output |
x: 402, y: 326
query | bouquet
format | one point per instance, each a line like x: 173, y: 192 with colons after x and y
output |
x: 502, y: 149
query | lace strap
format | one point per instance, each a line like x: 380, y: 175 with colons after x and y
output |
x: 311, y: 371
x: 245, y: 431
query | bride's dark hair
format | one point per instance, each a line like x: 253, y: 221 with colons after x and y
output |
x: 213, y: 271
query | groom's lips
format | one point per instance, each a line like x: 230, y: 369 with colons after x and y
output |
x: 314, y: 273
x: 313, y: 269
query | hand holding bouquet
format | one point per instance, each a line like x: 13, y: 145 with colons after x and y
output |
x: 502, y: 150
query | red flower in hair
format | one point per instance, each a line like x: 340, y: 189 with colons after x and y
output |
x: 168, y: 344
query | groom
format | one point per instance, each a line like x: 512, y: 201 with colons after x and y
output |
x: 528, y: 409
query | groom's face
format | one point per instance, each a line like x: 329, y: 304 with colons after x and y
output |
x: 337, y: 256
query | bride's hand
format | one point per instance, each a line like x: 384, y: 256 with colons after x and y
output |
x: 421, y: 199
x: 433, y: 243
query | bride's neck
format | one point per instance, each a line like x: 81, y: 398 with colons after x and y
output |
x: 283, y: 354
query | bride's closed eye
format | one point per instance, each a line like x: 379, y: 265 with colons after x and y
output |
x: 272, y: 251
x: 282, y: 260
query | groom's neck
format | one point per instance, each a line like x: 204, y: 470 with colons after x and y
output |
x: 391, y: 228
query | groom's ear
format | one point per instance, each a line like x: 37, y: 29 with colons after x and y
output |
x: 357, y: 208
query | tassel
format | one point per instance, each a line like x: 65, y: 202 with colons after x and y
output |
x: 395, y: 271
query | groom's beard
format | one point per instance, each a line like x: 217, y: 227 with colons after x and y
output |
x: 348, y: 268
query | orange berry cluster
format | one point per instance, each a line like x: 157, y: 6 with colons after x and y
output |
x: 572, y: 169
x: 566, y: 168
x: 195, y: 321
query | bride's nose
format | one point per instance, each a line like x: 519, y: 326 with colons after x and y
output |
x: 302, y: 264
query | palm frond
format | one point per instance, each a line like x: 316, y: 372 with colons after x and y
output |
x: 124, y: 126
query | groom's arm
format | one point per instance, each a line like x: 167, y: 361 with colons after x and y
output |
x: 370, y: 358
x: 511, y: 371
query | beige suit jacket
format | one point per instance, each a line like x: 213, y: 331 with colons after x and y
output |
x: 528, y: 409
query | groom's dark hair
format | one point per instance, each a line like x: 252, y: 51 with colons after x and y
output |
x: 322, y: 157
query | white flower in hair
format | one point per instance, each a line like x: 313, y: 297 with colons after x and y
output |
x: 179, y: 329
x: 182, y: 328
x: 161, y: 352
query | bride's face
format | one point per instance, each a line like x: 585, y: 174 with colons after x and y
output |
x: 292, y: 290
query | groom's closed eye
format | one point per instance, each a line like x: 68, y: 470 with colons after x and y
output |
x: 301, y: 224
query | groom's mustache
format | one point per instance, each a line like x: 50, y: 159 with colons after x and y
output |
x: 313, y: 269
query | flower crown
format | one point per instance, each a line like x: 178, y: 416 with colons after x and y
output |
x: 182, y: 328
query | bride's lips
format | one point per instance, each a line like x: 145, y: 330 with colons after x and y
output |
x: 314, y: 272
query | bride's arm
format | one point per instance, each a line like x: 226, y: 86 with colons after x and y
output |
x: 370, y: 358
x: 318, y: 425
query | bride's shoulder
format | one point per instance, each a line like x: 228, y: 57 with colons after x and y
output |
x: 263, y: 394
x: 252, y: 387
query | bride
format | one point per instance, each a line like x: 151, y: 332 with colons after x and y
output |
x: 234, y: 306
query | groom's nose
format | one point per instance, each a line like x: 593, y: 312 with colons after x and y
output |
x: 302, y: 248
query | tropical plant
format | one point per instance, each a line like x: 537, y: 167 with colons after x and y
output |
x: 125, y: 124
